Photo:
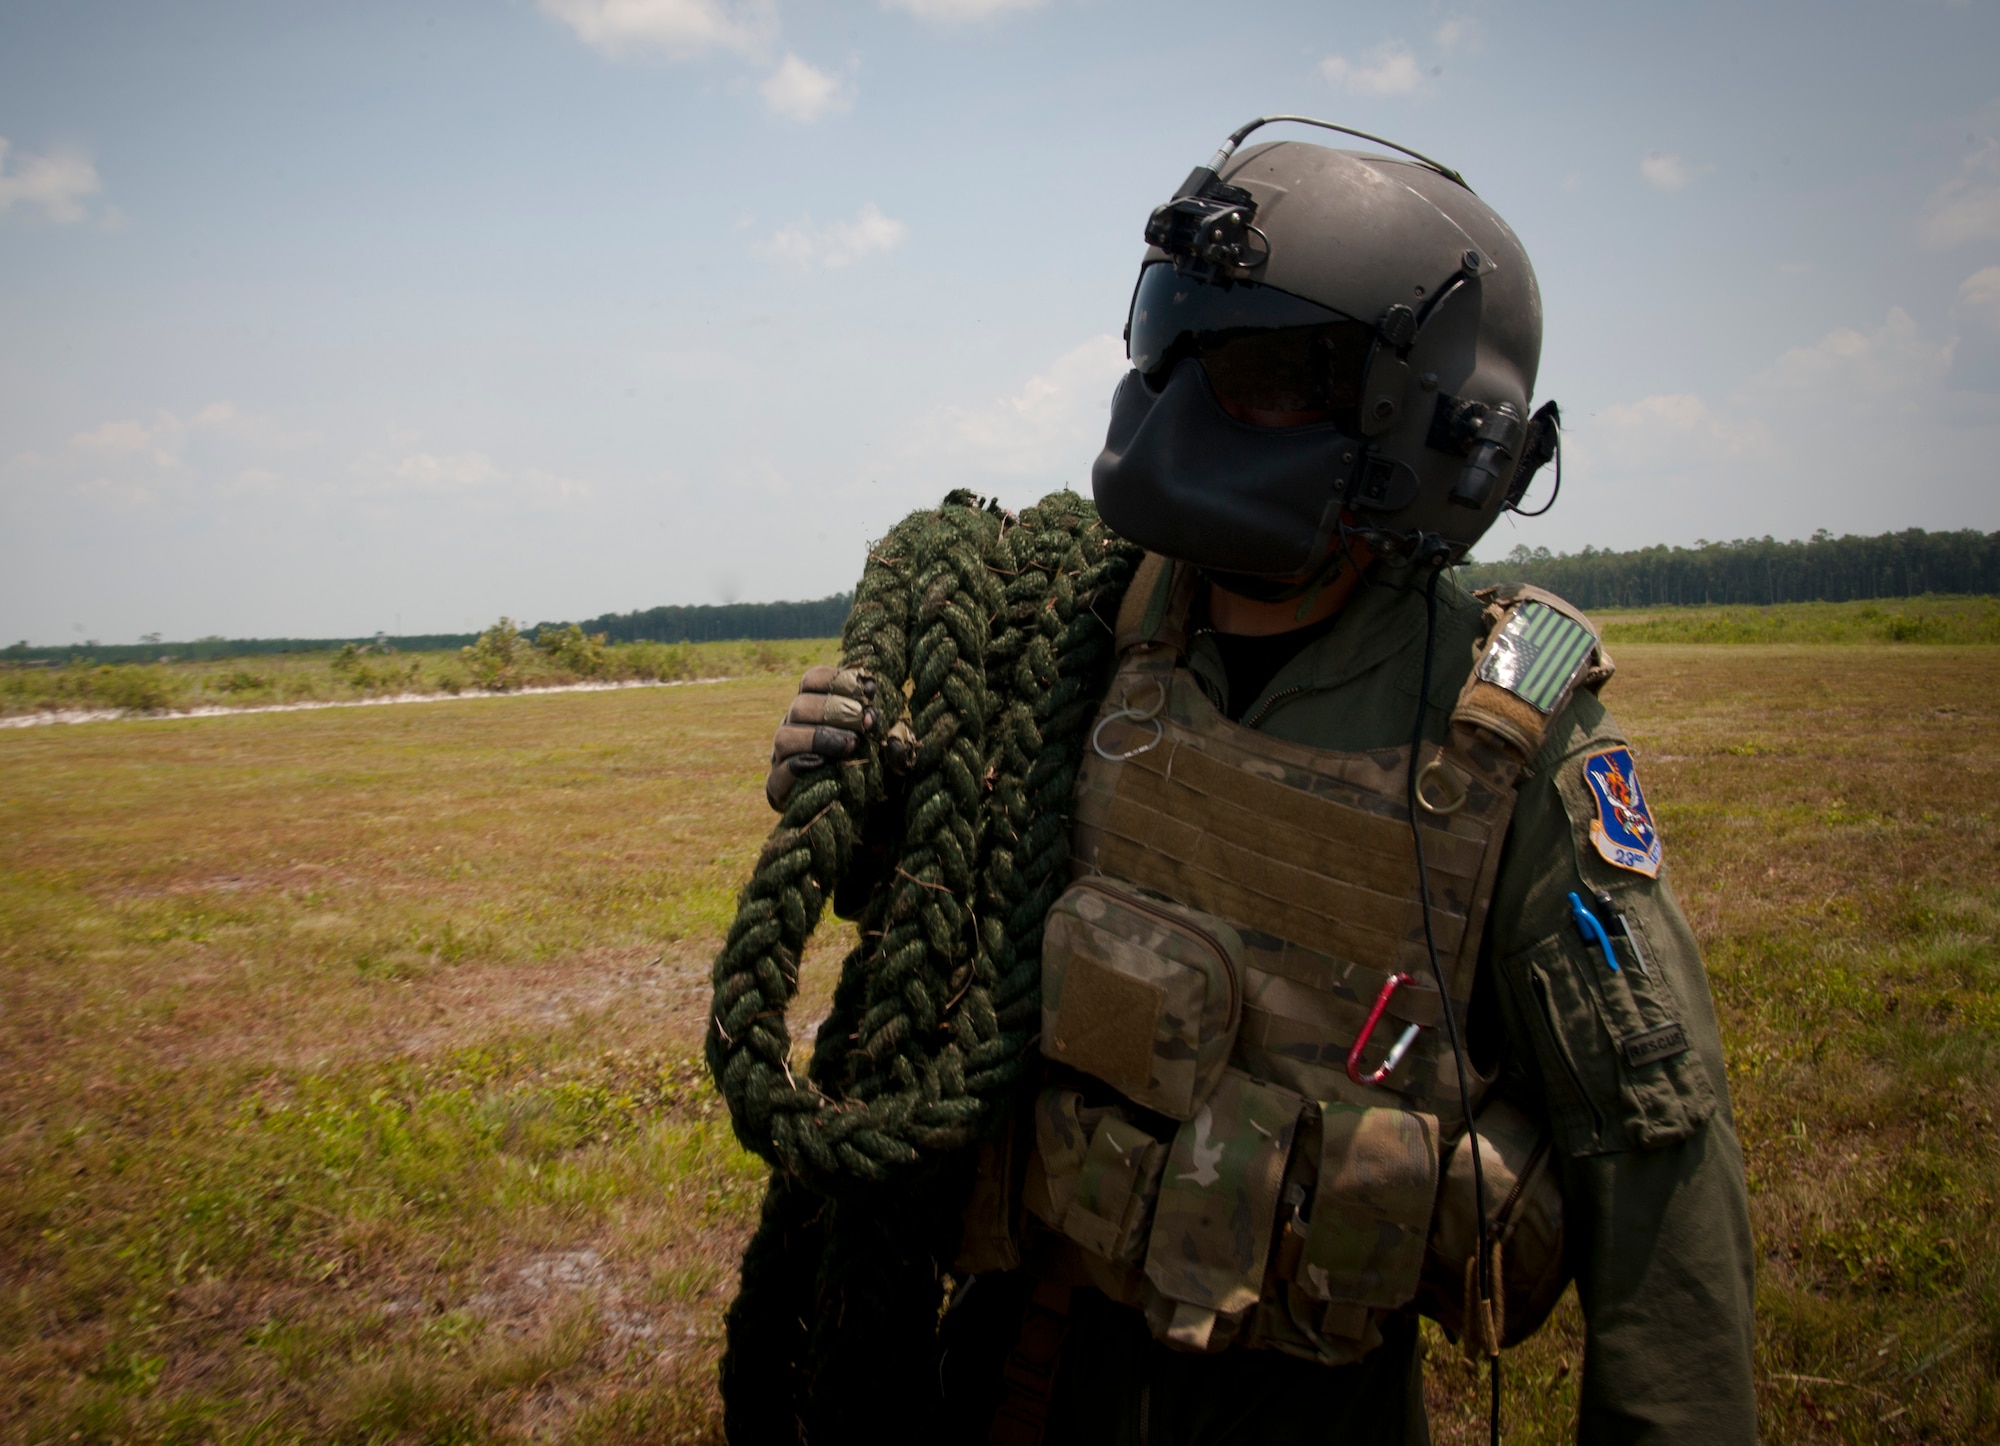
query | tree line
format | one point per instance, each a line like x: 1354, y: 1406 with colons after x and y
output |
x: 1752, y: 571
x: 726, y: 622
x: 709, y: 623
x: 1758, y: 571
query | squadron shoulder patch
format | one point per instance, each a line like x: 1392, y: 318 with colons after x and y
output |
x: 1623, y: 830
x: 1536, y: 654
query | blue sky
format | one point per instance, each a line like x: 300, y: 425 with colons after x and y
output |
x: 320, y: 319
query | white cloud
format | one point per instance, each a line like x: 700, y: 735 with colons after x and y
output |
x: 428, y: 472
x: 678, y: 29
x: 1051, y: 428
x: 1967, y: 207
x: 1668, y: 172
x: 222, y: 453
x: 58, y: 182
x: 953, y: 11
x: 1979, y: 295
x: 836, y: 244
x: 216, y: 453
x: 1388, y: 70
x: 167, y: 437
x: 1454, y: 31
x: 1665, y: 434
x: 1866, y: 429
x: 1881, y: 372
x: 804, y: 92
x: 461, y: 475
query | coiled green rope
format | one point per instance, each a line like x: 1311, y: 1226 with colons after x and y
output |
x: 999, y: 628
x: 995, y: 632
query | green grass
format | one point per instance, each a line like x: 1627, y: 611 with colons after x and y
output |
x: 349, y: 1069
x: 349, y: 1084
x: 1937, y: 620
x: 497, y: 664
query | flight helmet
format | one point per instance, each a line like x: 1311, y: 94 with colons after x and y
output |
x: 1324, y: 342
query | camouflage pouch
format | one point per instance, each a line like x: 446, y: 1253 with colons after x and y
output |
x: 1371, y: 1210
x: 1212, y: 1228
x: 1142, y: 993
x: 1095, y: 1175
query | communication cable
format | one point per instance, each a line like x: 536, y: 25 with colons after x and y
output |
x: 1434, y: 547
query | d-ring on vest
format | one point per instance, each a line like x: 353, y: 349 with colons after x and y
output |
x: 1202, y: 1150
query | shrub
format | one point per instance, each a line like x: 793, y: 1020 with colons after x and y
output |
x: 574, y: 650
x: 495, y: 656
x: 136, y: 689
x: 660, y: 662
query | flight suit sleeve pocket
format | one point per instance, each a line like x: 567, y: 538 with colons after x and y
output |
x: 1614, y: 1052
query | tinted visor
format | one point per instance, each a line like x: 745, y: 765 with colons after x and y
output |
x: 1273, y: 359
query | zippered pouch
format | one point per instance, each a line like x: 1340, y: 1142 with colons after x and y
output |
x: 1142, y: 993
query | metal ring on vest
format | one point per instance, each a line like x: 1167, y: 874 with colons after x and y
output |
x: 1396, y: 1050
x: 1127, y: 713
x: 1456, y: 788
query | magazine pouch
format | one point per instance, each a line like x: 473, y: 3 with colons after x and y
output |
x: 1211, y: 1235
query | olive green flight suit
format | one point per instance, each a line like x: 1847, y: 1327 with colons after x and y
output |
x: 1655, y: 1206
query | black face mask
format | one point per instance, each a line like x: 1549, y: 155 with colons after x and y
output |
x: 1181, y: 477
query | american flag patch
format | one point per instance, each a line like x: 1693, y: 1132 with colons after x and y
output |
x: 1537, y: 654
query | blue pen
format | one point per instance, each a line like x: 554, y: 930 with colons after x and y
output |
x: 1592, y: 931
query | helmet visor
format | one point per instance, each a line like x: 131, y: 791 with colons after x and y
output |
x: 1272, y: 359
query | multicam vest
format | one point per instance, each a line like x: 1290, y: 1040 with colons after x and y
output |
x: 1251, y: 1128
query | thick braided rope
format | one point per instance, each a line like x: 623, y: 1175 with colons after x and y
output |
x: 999, y: 628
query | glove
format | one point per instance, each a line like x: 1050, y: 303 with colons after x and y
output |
x: 826, y: 723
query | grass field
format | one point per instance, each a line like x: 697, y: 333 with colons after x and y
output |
x: 349, y: 1081
x: 1929, y: 620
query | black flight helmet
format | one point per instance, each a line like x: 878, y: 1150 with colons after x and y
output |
x: 1323, y: 339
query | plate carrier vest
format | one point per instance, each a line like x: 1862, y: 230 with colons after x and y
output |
x: 1250, y: 1125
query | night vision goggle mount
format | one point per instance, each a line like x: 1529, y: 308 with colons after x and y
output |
x: 1208, y: 227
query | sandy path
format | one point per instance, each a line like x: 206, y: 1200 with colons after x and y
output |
x: 112, y: 715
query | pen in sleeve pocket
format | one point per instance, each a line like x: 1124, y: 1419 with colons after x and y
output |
x: 1592, y: 931
x: 1611, y: 911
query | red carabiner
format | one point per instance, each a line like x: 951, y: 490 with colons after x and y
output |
x: 1396, y: 1051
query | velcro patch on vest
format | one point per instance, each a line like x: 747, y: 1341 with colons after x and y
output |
x: 1536, y: 654
x: 1654, y: 1045
x: 1107, y: 1023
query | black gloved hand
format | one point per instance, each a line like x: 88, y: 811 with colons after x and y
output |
x: 826, y: 723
